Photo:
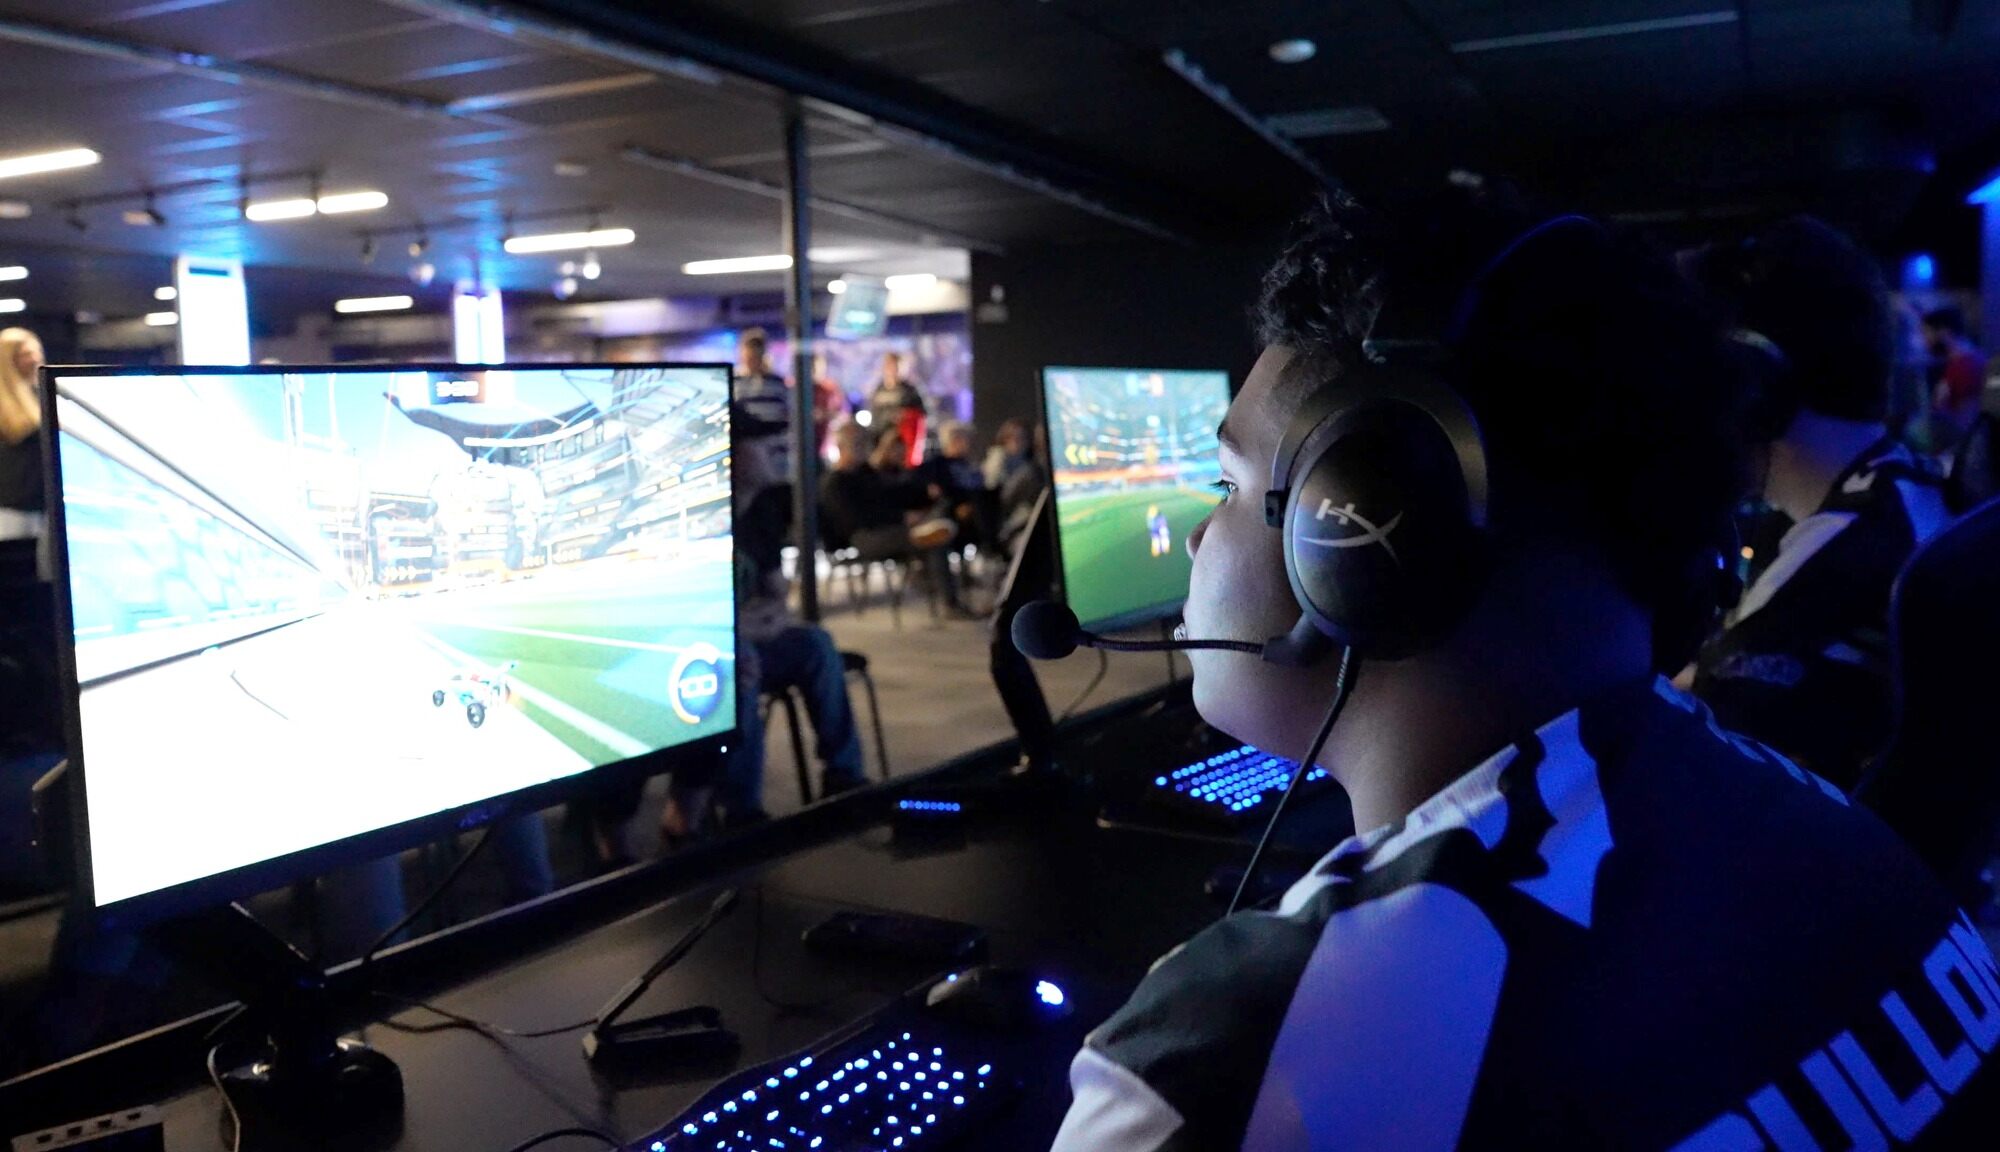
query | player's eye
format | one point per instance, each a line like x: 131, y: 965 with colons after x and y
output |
x: 1224, y: 488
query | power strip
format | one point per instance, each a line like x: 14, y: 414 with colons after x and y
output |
x: 132, y: 1130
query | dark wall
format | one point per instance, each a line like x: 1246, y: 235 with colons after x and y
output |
x: 1128, y: 305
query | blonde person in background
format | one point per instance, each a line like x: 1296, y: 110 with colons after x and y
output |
x: 20, y: 431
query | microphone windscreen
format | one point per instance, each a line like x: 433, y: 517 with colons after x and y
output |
x: 1045, y: 630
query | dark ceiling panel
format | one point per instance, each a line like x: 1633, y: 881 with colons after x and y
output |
x: 1086, y: 73
x: 247, y: 29
x: 441, y: 60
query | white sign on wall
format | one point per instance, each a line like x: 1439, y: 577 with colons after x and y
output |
x: 215, y: 314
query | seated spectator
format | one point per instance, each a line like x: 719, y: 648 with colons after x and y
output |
x: 1008, y: 455
x: 864, y: 505
x: 870, y: 502
x: 1802, y: 661
x: 775, y: 650
x: 957, y: 487
x: 1019, y: 490
x: 1961, y: 369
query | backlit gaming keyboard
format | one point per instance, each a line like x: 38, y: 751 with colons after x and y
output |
x: 881, y: 1087
x: 1232, y: 786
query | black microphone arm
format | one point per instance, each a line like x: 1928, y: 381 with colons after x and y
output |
x: 1047, y: 630
x: 673, y: 1029
x: 1093, y: 640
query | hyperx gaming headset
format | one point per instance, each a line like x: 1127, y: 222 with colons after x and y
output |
x: 1380, y: 488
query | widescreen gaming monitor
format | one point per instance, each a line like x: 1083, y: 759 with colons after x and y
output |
x: 320, y: 614
x: 1134, y: 454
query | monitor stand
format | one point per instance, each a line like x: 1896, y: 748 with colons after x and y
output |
x: 305, y: 1076
x: 1030, y: 577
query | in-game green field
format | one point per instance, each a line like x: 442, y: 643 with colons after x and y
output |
x: 1113, y: 563
x: 596, y: 655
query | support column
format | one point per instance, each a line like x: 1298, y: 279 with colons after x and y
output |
x: 798, y: 325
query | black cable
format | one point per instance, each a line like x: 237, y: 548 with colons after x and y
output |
x: 1343, y: 687
x: 544, y: 1138
x: 455, y: 1020
x: 424, y: 905
x: 235, y: 1118
x: 1103, y: 666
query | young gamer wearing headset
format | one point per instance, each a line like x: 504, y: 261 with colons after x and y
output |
x: 1587, y: 917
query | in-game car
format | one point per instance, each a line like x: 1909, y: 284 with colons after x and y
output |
x: 476, y: 691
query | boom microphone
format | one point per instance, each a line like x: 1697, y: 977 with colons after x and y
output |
x: 1046, y: 630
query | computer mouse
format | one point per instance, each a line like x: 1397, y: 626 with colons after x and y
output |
x: 996, y: 997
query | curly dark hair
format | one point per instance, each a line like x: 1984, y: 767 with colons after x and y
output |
x: 1601, y: 382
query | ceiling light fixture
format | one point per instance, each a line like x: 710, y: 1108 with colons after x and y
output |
x: 1294, y: 51
x: 590, y: 269
x: 559, y: 241
x: 13, y: 272
x: 13, y: 305
x: 737, y: 264
x: 341, y: 202
x: 837, y: 287
x: 162, y: 319
x: 417, y: 246
x: 909, y: 281
x: 374, y: 304
x: 423, y: 273
x: 166, y: 293
x: 293, y: 209
x: 146, y: 217
x: 47, y: 162
x: 16, y: 209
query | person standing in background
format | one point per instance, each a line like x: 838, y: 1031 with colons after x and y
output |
x: 829, y: 401
x: 897, y: 406
x: 21, y: 487
x: 764, y: 394
x: 1963, y: 368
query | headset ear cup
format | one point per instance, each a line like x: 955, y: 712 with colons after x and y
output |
x: 1379, y: 541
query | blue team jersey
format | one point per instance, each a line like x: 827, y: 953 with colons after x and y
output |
x: 1628, y: 929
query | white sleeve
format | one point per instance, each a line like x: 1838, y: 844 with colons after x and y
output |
x: 1113, y: 1110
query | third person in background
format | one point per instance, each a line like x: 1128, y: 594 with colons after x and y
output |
x: 1802, y: 662
x: 897, y: 407
x: 1962, y: 370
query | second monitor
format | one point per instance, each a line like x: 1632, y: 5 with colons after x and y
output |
x: 322, y: 613
x: 1134, y: 454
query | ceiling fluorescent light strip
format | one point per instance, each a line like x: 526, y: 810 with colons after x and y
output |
x: 374, y: 304
x: 279, y: 209
x: 1595, y: 32
x: 340, y: 202
x: 47, y: 162
x: 562, y: 241
x: 737, y: 264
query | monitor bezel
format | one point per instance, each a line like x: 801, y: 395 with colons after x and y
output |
x: 278, y: 871
x: 1138, y: 617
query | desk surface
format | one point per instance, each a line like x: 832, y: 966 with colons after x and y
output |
x: 1086, y: 906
